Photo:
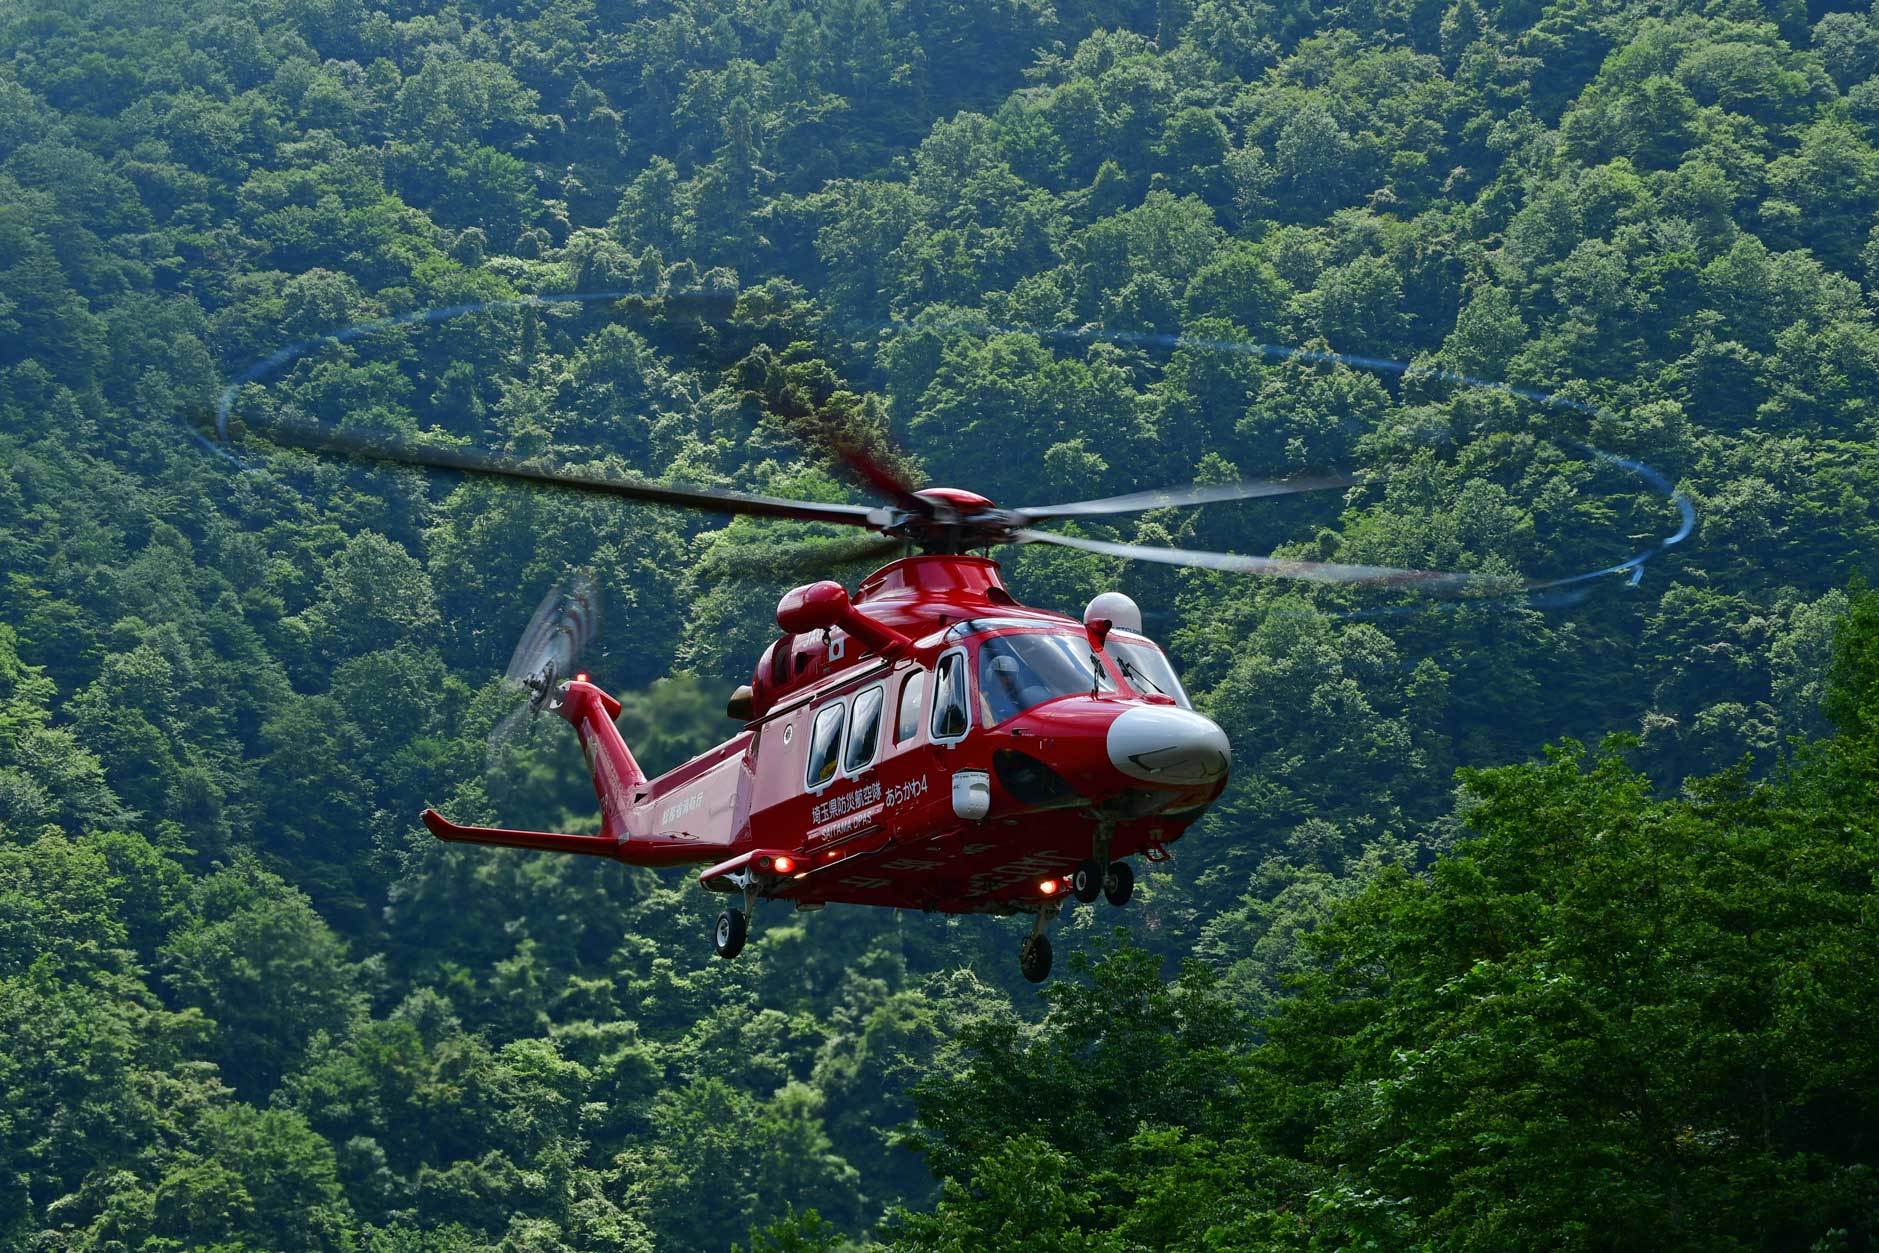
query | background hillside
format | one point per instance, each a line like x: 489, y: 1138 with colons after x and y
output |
x: 1610, y: 998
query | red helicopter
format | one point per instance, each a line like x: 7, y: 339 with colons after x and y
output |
x: 928, y: 743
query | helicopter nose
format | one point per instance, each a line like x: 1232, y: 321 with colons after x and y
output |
x: 1162, y: 744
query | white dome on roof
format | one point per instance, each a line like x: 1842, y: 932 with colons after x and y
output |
x: 1121, y: 612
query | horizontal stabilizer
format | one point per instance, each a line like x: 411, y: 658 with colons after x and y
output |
x: 551, y: 841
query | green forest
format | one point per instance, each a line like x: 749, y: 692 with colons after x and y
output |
x: 1527, y: 922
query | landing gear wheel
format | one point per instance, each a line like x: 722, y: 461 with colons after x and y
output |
x: 728, y: 937
x: 1119, y: 883
x: 1034, y: 958
x: 1087, y: 880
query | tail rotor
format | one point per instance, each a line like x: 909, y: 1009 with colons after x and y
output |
x: 547, y: 653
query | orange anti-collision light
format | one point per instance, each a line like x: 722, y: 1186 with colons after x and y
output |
x: 785, y: 864
x: 1048, y: 887
x: 580, y: 676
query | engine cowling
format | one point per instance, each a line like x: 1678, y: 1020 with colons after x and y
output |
x: 813, y: 607
x: 825, y: 606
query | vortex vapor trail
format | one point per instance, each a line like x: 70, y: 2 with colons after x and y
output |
x: 290, y: 353
x: 1383, y: 365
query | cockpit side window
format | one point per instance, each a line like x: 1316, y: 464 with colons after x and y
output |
x: 825, y: 743
x: 951, y: 714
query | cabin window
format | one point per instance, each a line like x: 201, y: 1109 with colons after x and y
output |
x: 951, y: 714
x: 864, y: 730
x: 825, y: 743
x: 912, y: 693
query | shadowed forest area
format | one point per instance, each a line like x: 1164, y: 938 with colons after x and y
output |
x: 1537, y: 922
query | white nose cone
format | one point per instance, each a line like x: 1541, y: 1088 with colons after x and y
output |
x: 1163, y: 744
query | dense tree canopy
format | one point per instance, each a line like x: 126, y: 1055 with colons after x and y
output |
x: 1587, y: 998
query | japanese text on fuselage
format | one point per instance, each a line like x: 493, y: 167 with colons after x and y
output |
x: 846, y: 803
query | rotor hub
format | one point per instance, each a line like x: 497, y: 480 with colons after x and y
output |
x: 954, y: 521
x: 957, y: 498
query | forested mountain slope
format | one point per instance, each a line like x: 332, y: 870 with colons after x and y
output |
x: 246, y: 1003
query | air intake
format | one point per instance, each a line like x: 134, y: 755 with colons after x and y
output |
x: 1029, y: 781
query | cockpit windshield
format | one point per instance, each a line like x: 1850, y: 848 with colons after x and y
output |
x: 1146, y: 669
x: 1020, y: 672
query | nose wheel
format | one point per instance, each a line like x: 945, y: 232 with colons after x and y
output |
x: 1091, y: 879
x: 1119, y: 883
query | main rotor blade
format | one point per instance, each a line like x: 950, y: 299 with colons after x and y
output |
x: 873, y: 467
x: 389, y: 448
x: 795, y: 560
x: 1277, y: 567
x: 879, y: 475
x: 1197, y: 494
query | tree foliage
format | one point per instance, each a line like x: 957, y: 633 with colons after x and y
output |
x: 1608, y: 997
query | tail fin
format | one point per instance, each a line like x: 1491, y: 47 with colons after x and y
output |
x: 616, y: 775
x: 617, y: 782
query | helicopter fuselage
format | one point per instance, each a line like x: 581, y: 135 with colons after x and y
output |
x: 935, y: 745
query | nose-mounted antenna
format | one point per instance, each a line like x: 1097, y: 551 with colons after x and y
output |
x: 1098, y: 630
x: 1101, y: 616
